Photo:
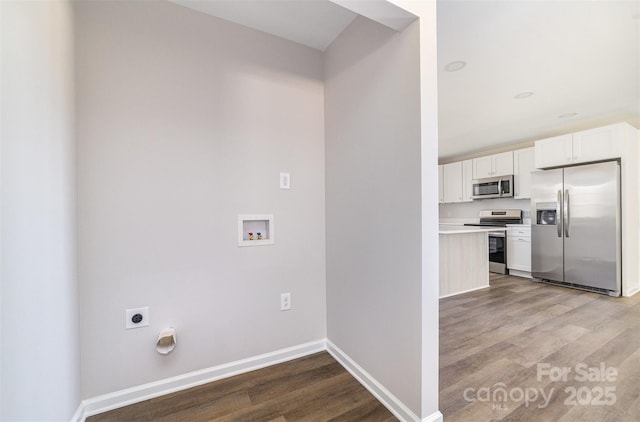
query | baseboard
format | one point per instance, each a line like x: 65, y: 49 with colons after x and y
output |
x: 434, y: 417
x: 519, y: 273
x: 385, y: 397
x: 143, y: 392
x: 79, y: 416
x: 465, y: 291
x: 106, y: 402
x: 631, y: 292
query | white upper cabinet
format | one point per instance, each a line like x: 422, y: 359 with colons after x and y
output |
x: 556, y: 151
x: 598, y: 144
x: 493, y: 165
x: 523, y: 165
x: 467, y: 180
x: 503, y: 164
x: 440, y: 184
x: 453, y: 182
x: 482, y: 167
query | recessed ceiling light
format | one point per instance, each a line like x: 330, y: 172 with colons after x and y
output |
x: 522, y: 95
x: 567, y: 115
x: 455, y: 66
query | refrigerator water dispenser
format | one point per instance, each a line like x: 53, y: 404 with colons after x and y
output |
x: 546, y: 214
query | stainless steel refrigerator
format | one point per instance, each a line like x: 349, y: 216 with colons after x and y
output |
x: 576, y: 226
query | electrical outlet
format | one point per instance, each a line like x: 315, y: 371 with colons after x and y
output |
x: 285, y: 301
x: 136, y: 318
x: 285, y: 181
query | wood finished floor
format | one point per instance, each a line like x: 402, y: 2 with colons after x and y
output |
x: 312, y: 388
x: 499, y: 335
x: 490, y: 336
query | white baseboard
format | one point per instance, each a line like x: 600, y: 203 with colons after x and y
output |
x: 385, y: 397
x: 465, y: 291
x: 79, y: 416
x: 434, y: 417
x: 631, y: 292
x: 519, y: 273
x: 117, y: 399
x: 143, y: 392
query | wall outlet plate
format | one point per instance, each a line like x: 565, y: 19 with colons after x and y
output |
x: 285, y: 181
x: 136, y: 318
x: 285, y: 301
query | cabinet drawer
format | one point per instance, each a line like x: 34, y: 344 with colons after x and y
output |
x: 518, y: 232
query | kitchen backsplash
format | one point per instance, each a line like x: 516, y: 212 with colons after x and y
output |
x: 468, y: 211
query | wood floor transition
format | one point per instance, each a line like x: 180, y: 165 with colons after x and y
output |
x: 518, y: 351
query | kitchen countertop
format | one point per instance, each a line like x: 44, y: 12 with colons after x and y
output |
x: 460, y: 229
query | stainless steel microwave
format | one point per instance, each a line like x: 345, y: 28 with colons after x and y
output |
x: 493, y: 187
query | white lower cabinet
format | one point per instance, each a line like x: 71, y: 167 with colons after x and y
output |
x: 519, y: 250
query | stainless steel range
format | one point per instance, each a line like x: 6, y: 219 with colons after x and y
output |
x: 498, y: 239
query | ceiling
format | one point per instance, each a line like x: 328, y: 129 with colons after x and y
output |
x: 575, y: 56
x: 314, y: 23
x: 578, y: 57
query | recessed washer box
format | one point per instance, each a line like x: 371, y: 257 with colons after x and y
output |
x: 255, y: 230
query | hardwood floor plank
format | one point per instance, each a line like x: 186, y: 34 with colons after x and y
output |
x: 300, y: 404
x: 275, y: 388
x: 370, y: 410
x: 207, y: 411
x: 498, y: 337
x: 312, y: 388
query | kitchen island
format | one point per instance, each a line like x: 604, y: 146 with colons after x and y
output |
x: 464, y: 258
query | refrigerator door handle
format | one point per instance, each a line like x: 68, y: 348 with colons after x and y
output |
x: 559, y: 213
x: 567, y: 216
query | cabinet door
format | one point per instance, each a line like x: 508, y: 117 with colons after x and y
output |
x: 467, y: 180
x: 523, y: 165
x: 503, y: 164
x: 554, y: 152
x: 453, y: 182
x: 483, y: 167
x: 519, y: 253
x: 597, y: 144
x: 440, y: 184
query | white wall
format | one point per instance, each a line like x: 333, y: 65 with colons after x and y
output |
x: 40, y: 378
x: 426, y: 11
x: 470, y: 210
x: 373, y: 202
x: 631, y: 212
x: 185, y: 121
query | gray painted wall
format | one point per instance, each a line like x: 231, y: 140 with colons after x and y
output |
x: 373, y: 202
x: 40, y: 379
x: 185, y: 121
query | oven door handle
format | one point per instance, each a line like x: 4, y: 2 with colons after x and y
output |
x: 496, y: 234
